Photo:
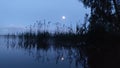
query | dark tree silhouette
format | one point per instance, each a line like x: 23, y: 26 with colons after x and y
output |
x: 104, y: 13
x: 102, y: 48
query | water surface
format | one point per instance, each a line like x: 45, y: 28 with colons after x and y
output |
x: 16, y: 53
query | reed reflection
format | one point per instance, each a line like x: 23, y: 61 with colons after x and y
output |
x: 49, y: 52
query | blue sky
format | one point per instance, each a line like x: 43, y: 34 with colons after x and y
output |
x: 20, y: 13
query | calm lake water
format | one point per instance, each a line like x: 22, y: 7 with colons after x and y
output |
x: 15, y: 53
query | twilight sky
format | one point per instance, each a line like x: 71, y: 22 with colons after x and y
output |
x: 20, y: 13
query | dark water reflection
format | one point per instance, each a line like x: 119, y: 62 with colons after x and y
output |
x: 16, y: 52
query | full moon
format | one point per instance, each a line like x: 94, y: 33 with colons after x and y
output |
x: 63, y: 17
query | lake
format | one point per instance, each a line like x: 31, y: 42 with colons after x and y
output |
x: 16, y: 53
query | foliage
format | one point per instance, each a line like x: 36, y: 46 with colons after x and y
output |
x: 104, y: 13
